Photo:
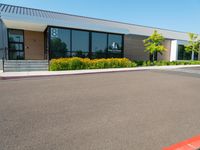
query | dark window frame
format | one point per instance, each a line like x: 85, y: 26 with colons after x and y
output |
x: 122, y: 45
x: 90, y: 40
x: 185, y: 54
x: 50, y: 44
x: 13, y: 42
x: 72, y: 46
x: 106, y: 50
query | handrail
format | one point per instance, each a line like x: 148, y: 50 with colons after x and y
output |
x: 3, y: 61
x: 4, y: 52
x: 4, y: 57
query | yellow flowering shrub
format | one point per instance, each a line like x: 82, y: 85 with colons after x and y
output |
x: 76, y: 63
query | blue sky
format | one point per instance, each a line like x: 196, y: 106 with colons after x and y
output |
x: 180, y: 15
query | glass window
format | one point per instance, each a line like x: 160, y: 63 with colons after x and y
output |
x: 99, y: 45
x: 60, y: 43
x: 16, y: 55
x: 114, y: 45
x: 15, y: 36
x: 77, y: 43
x: 196, y: 56
x: 80, y: 43
x: 15, y: 47
x: 99, y: 42
x: 182, y: 54
x: 15, y: 44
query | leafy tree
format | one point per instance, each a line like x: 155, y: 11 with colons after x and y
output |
x: 154, y: 45
x: 193, y: 45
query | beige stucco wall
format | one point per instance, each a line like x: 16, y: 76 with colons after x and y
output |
x: 134, y: 48
x: 34, y: 45
x: 166, y: 54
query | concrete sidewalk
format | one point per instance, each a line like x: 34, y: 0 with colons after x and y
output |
x: 7, y: 75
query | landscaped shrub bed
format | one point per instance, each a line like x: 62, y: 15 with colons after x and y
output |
x: 86, y: 63
x: 166, y: 63
x: 76, y: 63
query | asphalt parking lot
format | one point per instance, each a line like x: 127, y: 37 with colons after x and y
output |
x: 140, y: 110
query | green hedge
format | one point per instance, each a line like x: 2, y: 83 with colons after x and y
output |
x: 166, y: 63
x: 76, y: 63
x: 86, y: 63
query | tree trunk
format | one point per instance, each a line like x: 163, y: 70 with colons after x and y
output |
x: 153, y: 57
x: 192, y: 58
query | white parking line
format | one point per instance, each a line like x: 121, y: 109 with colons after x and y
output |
x: 192, y: 146
x: 186, y: 71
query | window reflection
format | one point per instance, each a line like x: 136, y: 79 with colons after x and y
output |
x: 60, y: 43
x: 99, y: 45
x: 114, y: 45
x: 15, y: 44
x: 183, y: 55
x: 15, y: 36
x: 80, y: 43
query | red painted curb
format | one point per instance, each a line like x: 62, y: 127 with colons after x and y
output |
x: 190, y: 144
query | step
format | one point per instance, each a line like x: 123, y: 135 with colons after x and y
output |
x: 25, y: 65
x: 31, y: 65
x: 26, y: 61
x: 25, y: 69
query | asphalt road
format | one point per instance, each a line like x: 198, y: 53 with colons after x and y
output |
x: 141, y: 110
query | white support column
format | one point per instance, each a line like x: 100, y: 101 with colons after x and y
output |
x: 174, y: 50
x: 192, y: 55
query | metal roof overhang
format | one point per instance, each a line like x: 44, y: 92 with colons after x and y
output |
x: 35, y: 23
x: 39, y: 24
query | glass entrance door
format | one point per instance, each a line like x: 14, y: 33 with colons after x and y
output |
x: 15, y: 44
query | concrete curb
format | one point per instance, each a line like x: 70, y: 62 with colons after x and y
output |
x: 14, y: 75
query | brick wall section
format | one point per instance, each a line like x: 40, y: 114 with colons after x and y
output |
x: 134, y: 48
x: 34, y: 45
